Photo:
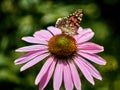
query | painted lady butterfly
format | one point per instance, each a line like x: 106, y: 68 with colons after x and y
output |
x: 70, y: 24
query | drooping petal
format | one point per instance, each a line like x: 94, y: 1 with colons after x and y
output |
x: 67, y: 77
x: 54, y: 30
x: 93, y: 57
x: 46, y: 78
x: 43, y: 34
x: 58, y: 75
x: 25, y: 58
x: 31, y: 48
x: 35, y: 40
x: 43, y: 70
x: 90, y: 47
x: 84, y: 35
x: 84, y: 70
x: 75, y: 75
x: 34, y: 61
x: 94, y: 72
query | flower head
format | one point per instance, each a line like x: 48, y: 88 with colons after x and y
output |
x: 63, y: 54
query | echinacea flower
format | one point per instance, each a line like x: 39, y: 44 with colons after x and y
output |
x: 63, y: 53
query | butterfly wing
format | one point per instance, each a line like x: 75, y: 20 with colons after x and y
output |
x: 70, y: 24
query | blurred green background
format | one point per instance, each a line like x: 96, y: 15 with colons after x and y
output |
x: 20, y: 18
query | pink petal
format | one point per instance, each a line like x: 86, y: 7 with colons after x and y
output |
x: 84, y: 70
x: 75, y: 76
x: 94, y: 72
x: 43, y: 34
x: 29, y: 57
x: 79, y: 30
x: 31, y: 48
x: 90, y: 47
x: 54, y: 30
x: 67, y: 77
x: 34, y: 61
x: 84, y: 36
x: 93, y: 57
x: 34, y: 40
x: 43, y: 70
x: 23, y: 57
x: 58, y: 75
x: 46, y: 78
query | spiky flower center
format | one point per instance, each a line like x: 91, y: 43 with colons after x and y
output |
x: 62, y: 46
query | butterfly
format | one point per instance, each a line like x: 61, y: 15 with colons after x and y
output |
x: 70, y: 24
